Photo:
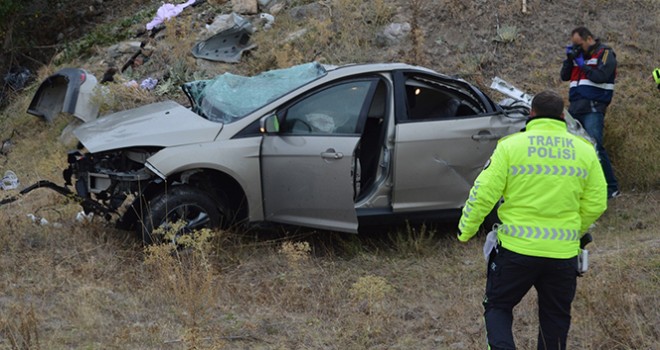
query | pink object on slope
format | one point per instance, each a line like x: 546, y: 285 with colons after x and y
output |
x: 166, y: 12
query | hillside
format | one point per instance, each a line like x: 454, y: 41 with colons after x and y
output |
x: 475, y: 40
x: 72, y: 284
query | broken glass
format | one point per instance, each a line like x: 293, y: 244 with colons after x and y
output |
x: 229, y: 97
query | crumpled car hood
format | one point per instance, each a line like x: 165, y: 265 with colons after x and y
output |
x: 161, y: 124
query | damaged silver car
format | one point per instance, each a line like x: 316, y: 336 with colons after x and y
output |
x: 333, y: 148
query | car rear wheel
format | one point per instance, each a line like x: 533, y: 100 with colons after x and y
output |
x: 185, y: 209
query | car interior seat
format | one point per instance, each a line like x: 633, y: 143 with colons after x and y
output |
x: 451, y: 108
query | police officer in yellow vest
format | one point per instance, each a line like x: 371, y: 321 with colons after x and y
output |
x: 553, y: 188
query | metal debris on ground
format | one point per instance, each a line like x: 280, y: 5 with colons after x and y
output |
x: 17, y: 78
x: 69, y: 90
x: 229, y: 44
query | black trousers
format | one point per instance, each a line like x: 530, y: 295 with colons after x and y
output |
x: 510, y: 277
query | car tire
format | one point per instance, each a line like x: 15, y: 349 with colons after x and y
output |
x: 190, y: 204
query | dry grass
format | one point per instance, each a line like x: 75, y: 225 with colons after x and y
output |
x: 120, y: 96
x: 342, y: 33
x: 31, y: 136
x: 185, y: 280
x: 88, y: 286
x: 417, y: 55
x: 632, y: 132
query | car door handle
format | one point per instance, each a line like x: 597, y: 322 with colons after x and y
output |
x: 330, y: 153
x: 485, y: 137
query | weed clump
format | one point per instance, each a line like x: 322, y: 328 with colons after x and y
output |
x: 21, y: 327
x: 414, y: 241
x: 118, y: 97
x: 506, y: 34
x: 370, y: 292
x: 186, y: 279
x: 295, y: 253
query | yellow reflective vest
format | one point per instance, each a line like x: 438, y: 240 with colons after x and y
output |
x: 553, y: 189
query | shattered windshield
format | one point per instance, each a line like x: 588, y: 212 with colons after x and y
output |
x: 229, y: 97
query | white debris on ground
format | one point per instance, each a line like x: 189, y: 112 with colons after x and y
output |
x: 38, y: 219
x: 269, y: 20
x: 82, y: 217
x: 149, y: 83
x: 9, y: 181
x: 166, y: 12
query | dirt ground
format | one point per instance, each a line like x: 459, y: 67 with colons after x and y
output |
x: 89, y: 286
x: 458, y: 32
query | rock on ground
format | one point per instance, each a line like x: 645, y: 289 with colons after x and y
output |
x: 248, y: 7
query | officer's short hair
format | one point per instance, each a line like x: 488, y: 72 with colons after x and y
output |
x: 548, y: 104
x: 583, y: 32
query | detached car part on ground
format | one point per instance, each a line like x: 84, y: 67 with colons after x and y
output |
x: 69, y: 90
x: 332, y: 148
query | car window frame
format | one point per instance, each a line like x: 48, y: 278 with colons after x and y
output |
x: 400, y: 100
x: 364, y: 109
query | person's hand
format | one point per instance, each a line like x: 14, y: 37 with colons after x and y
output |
x: 585, y: 239
x: 569, y: 51
x: 579, y: 60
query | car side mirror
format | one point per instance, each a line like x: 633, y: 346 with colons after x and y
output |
x: 269, y: 124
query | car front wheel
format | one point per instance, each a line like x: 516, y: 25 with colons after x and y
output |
x: 182, y: 208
